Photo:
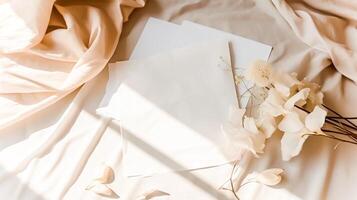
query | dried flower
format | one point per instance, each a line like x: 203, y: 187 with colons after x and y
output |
x: 315, y: 96
x: 260, y: 73
x: 273, y: 104
x: 243, y: 133
x: 284, y: 82
x: 296, y: 132
x: 292, y: 106
x: 267, y: 125
x: 297, y: 99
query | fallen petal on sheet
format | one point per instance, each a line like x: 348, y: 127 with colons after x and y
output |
x: 107, y: 175
x: 101, y: 189
x: 152, y: 194
x: 270, y: 176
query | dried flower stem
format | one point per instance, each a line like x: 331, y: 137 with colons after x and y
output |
x: 341, y: 126
x: 336, y: 113
x: 231, y: 180
x: 332, y: 137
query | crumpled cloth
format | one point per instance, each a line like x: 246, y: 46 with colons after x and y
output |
x: 328, y: 26
x: 49, y: 48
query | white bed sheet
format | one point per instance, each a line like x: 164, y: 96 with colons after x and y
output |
x: 54, y: 154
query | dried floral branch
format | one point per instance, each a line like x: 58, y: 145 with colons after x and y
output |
x: 282, y: 98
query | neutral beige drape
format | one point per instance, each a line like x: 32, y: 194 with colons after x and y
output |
x: 49, y: 48
x: 329, y: 26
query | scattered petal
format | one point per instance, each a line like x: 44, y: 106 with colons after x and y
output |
x: 152, y: 194
x: 102, y: 189
x: 316, y: 119
x: 270, y: 176
x: 107, y: 175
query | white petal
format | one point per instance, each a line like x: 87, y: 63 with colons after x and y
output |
x: 249, y: 124
x: 239, y: 138
x: 291, y: 145
x: 267, y: 125
x: 275, y: 171
x: 291, y: 123
x: 274, y: 97
x: 103, y: 190
x: 301, y: 95
x: 273, y: 104
x: 258, y: 142
x: 152, y: 194
x: 270, y: 176
x: 243, y: 139
x: 283, y: 81
x: 316, y: 119
x: 236, y: 116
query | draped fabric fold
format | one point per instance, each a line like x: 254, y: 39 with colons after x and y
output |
x: 49, y: 48
x: 329, y: 26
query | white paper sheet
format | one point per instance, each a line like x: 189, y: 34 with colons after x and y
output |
x: 174, y: 102
x: 160, y: 36
x: 244, y: 50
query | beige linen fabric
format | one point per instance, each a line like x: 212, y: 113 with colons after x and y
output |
x: 329, y: 26
x: 55, y: 153
x: 49, y: 48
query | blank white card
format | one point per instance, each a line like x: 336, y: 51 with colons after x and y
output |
x: 174, y: 103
